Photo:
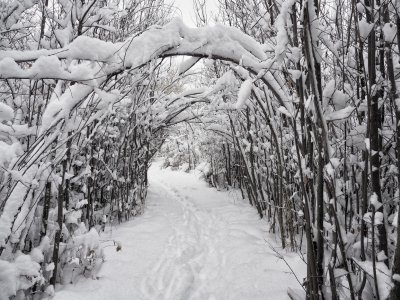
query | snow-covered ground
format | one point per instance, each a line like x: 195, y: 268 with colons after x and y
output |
x: 192, y: 242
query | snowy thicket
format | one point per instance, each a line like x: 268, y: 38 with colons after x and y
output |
x: 309, y: 135
x: 75, y: 138
x: 302, y: 116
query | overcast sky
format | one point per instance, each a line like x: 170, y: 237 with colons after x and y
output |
x: 186, y: 7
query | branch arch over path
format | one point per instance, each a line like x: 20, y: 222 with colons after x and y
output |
x: 90, y: 66
x: 101, y: 60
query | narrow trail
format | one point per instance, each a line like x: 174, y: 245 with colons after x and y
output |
x: 192, y: 258
x: 192, y: 242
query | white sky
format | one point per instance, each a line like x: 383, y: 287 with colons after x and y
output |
x: 186, y: 8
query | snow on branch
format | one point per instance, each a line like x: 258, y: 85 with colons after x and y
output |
x: 174, y: 39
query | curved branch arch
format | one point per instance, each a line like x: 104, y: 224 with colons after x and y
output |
x: 174, y: 39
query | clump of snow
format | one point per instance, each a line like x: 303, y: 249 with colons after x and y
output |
x: 368, y: 217
x: 8, y: 68
x: 19, y: 274
x: 374, y: 201
x: 50, y: 267
x: 6, y: 112
x: 60, y: 106
x: 152, y: 43
x: 383, y: 276
x: 378, y: 220
x: 73, y: 217
x: 331, y: 166
x: 361, y: 7
x: 340, y: 114
x: 381, y: 256
x: 87, y: 241
x: 335, y: 162
x: 9, y: 152
x: 389, y: 32
x: 103, y: 50
x: 49, y: 291
x: 296, y: 74
x: 226, y: 80
x: 337, y: 97
x: 367, y: 144
x: 13, y: 205
x: 244, y: 93
x: 284, y: 111
x: 339, y: 272
x: 37, y: 255
x: 364, y: 28
x: 281, y: 23
x: 8, y: 280
x: 395, y: 218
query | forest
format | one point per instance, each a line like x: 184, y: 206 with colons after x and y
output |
x: 294, y: 103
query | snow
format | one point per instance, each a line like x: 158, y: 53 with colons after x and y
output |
x: 374, y: 201
x: 20, y: 221
x: 244, y: 93
x: 192, y: 242
x: 340, y: 114
x: 296, y: 294
x: 338, y: 97
x: 389, y: 32
x: 37, y: 255
x: 367, y: 144
x: 173, y: 39
x: 281, y: 24
x: 284, y: 111
x: 381, y: 256
x: 47, y: 67
x: 226, y: 80
x: 378, y: 218
x: 89, y: 240
x: 22, y: 273
x: 50, y: 267
x: 368, y: 217
x: 101, y: 50
x: 340, y: 272
x: 73, y: 216
x: 296, y: 74
x: 6, y: 112
x: 360, y: 7
x: 12, y: 206
x: 365, y: 28
x: 383, y: 276
x: 9, y: 152
x: 8, y: 284
x: 60, y: 107
x: 395, y: 219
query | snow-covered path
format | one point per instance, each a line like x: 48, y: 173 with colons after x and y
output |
x: 192, y: 242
